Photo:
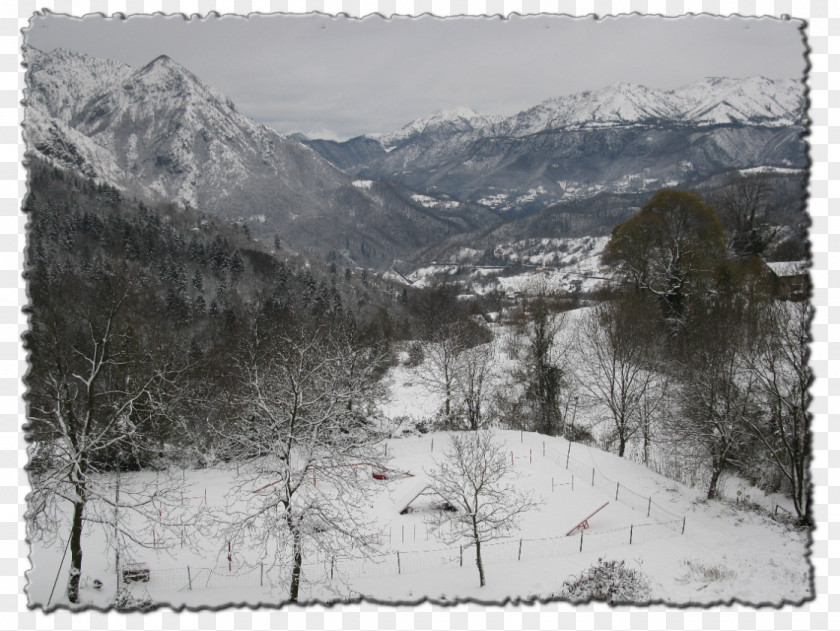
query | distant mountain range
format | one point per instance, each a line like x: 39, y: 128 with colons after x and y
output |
x: 621, y: 139
x: 159, y: 133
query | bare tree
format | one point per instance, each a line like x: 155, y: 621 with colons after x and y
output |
x: 297, y: 439
x: 616, y: 365
x: 472, y: 377
x: 473, y: 479
x: 715, y: 393
x: 741, y: 204
x: 779, y: 365
x: 443, y: 354
x: 96, y: 394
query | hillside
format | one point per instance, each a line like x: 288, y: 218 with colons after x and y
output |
x: 726, y: 551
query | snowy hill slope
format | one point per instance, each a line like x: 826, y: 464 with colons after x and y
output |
x: 724, y: 552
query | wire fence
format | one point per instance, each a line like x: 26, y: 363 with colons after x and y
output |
x: 589, y: 474
x: 406, y: 562
x: 584, y: 473
x: 660, y: 523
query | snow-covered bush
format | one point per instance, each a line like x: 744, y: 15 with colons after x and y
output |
x: 127, y: 601
x: 610, y: 581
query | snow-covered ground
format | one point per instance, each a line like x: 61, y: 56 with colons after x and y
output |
x: 725, y: 553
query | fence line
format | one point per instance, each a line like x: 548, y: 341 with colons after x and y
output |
x: 337, y: 568
x: 589, y: 474
x: 584, y: 474
x: 665, y: 524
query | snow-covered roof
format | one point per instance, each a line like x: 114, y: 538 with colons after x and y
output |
x: 789, y: 268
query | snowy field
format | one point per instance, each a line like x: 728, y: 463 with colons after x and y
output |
x: 724, y: 553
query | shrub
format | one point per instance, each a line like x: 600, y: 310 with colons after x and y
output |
x: 610, y: 581
x: 415, y: 355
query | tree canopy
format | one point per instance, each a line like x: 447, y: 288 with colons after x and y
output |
x: 668, y: 248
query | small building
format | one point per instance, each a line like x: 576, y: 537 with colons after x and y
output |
x: 790, y: 279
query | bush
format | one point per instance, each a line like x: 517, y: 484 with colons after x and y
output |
x: 578, y: 434
x: 610, y: 581
x: 415, y: 355
x: 128, y: 602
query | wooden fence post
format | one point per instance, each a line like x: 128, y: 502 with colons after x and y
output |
x: 649, y: 502
x: 683, y: 526
x: 189, y: 578
x: 519, y: 555
x: 581, y: 541
x: 399, y: 570
x: 617, y: 484
x: 631, y: 534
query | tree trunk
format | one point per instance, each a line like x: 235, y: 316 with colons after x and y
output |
x: 716, y: 471
x: 75, y: 553
x: 478, y: 562
x: 622, y: 445
x: 294, y: 588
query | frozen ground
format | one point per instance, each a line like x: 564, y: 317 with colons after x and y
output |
x: 725, y: 553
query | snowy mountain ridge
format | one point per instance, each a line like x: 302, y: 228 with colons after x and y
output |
x: 457, y: 120
x: 711, y: 101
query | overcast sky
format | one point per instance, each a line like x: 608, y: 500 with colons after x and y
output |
x: 339, y: 77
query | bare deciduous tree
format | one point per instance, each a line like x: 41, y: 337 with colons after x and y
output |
x: 443, y: 354
x: 97, y: 392
x: 472, y: 477
x: 715, y: 393
x: 740, y: 205
x: 779, y: 365
x: 476, y: 367
x: 298, y: 436
x: 616, y: 365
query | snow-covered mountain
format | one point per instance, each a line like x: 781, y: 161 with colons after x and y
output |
x: 621, y: 138
x: 750, y: 101
x: 160, y: 134
x: 441, y: 123
x: 712, y: 101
